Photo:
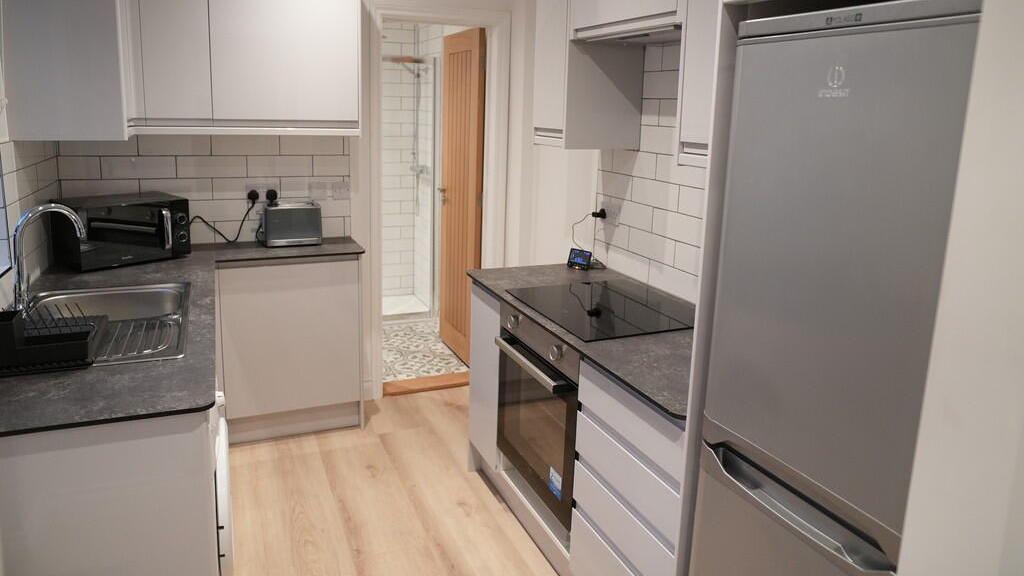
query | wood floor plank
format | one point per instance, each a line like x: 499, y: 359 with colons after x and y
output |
x: 426, y: 384
x: 393, y: 499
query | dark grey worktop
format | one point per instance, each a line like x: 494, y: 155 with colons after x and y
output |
x: 103, y: 394
x: 656, y: 366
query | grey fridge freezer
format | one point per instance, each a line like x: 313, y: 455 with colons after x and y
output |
x: 843, y: 154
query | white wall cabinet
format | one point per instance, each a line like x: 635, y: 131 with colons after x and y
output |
x: 66, y: 73
x: 174, y: 44
x: 597, y: 19
x: 285, y: 64
x: 586, y: 95
x: 290, y: 335
x: 696, y: 78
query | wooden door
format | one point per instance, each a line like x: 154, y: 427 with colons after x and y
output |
x: 462, y: 181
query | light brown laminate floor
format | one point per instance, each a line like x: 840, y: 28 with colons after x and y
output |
x: 394, y: 498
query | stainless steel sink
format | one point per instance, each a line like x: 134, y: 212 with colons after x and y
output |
x: 143, y: 322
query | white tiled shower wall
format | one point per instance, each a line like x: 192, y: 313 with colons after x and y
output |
x: 398, y: 155
x: 655, y: 227
x: 215, y: 173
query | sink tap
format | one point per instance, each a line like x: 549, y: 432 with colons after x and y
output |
x: 20, y: 270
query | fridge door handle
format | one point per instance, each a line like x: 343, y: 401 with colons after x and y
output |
x: 847, y: 549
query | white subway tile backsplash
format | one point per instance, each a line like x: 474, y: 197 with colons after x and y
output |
x: 335, y: 208
x: 612, y: 184
x: 652, y: 246
x: 223, y: 210
x: 75, y: 188
x: 679, y: 227
x: 238, y: 188
x: 150, y: 145
x: 47, y: 172
x: 78, y: 167
x: 310, y: 145
x: 129, y: 147
x: 138, y: 167
x: 654, y: 193
x: 246, y: 145
x: 280, y: 165
x: 661, y: 84
x: 655, y: 226
x: 657, y: 139
x: 210, y: 166
x: 642, y: 164
x: 314, y: 187
x: 330, y: 166
x: 191, y: 188
x: 687, y: 258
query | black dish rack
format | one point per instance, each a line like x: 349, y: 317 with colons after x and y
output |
x: 47, y: 339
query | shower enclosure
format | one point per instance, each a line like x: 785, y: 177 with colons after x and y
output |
x: 410, y: 175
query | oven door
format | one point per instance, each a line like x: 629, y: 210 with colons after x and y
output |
x: 141, y: 227
x: 537, y: 424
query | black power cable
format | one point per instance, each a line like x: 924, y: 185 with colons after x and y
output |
x: 253, y: 197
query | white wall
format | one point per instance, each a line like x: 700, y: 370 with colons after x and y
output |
x: 965, y: 513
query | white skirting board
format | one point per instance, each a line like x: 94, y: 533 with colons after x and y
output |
x: 295, y: 422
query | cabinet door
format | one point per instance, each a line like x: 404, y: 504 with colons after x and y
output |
x: 698, y: 74
x: 483, y: 378
x: 290, y: 336
x: 175, y: 40
x: 549, y: 59
x: 65, y: 70
x: 291, y: 63
x: 590, y: 13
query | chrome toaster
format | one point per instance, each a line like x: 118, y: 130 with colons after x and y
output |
x: 294, y: 223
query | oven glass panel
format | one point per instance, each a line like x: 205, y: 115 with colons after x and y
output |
x: 537, y: 427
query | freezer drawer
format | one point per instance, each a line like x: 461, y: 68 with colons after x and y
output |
x: 746, y: 523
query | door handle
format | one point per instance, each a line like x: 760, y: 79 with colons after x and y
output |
x: 168, y: 236
x: 524, y: 363
x: 846, y: 549
x: 443, y: 192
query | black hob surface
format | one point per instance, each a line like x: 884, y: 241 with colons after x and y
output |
x: 607, y: 309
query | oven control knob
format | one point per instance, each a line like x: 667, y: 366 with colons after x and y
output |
x: 183, y: 236
x: 512, y: 322
x: 556, y: 352
x: 180, y: 218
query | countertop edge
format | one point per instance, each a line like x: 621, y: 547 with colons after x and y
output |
x: 513, y: 301
x: 99, y: 422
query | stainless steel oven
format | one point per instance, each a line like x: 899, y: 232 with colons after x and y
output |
x: 537, y: 403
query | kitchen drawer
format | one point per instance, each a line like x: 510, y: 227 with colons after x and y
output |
x: 590, y: 555
x: 642, y: 427
x: 624, y: 532
x: 654, y: 501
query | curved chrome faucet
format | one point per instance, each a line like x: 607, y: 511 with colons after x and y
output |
x: 20, y: 270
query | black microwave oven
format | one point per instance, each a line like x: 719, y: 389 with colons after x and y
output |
x: 122, y: 229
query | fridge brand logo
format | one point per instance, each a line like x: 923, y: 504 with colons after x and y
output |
x: 835, y: 79
x: 844, y: 19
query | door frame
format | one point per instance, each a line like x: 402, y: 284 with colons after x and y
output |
x: 367, y: 197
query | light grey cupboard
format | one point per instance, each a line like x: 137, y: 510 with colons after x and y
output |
x: 697, y: 75
x: 586, y: 95
x: 174, y: 49
x: 290, y: 335
x: 67, y: 69
x: 485, y: 318
x: 628, y: 483
x: 600, y: 19
x: 286, y: 64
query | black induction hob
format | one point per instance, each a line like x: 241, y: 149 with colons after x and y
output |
x: 607, y: 309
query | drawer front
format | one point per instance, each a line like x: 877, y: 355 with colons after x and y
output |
x: 658, y: 504
x: 645, y: 429
x: 590, y: 555
x: 624, y: 532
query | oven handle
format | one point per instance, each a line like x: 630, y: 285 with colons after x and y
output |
x: 168, y: 236
x: 525, y: 364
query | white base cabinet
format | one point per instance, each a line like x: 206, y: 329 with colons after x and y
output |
x: 485, y: 323
x: 132, y: 497
x: 628, y: 484
x: 290, y: 335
